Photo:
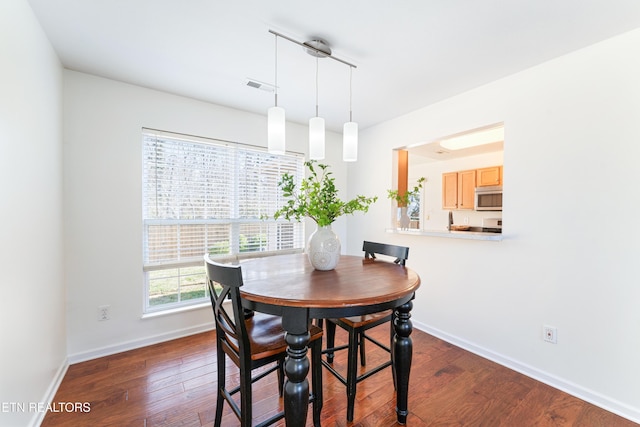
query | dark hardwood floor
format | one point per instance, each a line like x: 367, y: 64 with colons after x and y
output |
x: 174, y: 383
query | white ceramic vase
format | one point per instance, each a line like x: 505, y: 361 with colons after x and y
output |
x: 403, y: 218
x: 323, y: 248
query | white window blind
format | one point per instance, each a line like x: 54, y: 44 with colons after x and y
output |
x: 207, y: 196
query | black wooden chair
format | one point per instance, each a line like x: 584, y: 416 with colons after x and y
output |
x: 252, y: 340
x: 357, y: 326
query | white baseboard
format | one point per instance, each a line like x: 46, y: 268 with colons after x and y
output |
x: 595, y: 398
x: 131, y: 345
x: 50, y: 394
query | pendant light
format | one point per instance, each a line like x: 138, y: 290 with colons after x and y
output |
x: 320, y: 49
x: 350, y: 130
x: 275, y: 118
x: 316, y: 130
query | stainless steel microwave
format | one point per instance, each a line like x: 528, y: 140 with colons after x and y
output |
x: 488, y: 198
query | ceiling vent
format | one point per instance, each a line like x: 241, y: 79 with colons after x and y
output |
x: 256, y: 84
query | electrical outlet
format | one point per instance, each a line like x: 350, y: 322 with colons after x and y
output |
x: 550, y: 334
x: 104, y: 312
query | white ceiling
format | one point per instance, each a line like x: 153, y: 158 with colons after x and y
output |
x: 408, y: 53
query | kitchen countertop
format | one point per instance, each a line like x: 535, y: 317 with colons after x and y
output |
x: 465, y: 235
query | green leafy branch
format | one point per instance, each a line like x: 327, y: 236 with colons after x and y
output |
x: 405, y: 199
x: 317, y: 197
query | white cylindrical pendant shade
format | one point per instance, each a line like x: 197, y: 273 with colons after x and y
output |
x: 275, y: 130
x: 316, y: 138
x: 350, y: 142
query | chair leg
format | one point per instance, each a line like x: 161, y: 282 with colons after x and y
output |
x: 392, y: 334
x: 245, y: 395
x: 316, y: 379
x: 221, y: 386
x: 352, y: 371
x: 361, y: 340
x: 280, y: 377
x: 331, y: 339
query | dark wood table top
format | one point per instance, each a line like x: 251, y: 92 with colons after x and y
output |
x: 291, y: 281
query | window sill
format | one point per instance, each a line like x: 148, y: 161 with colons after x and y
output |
x: 175, y: 310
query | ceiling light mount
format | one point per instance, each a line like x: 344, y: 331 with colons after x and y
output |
x: 306, y: 46
x: 317, y: 48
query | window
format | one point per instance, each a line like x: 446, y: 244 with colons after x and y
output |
x: 208, y: 196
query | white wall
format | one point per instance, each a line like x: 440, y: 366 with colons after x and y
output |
x: 570, y: 250
x: 32, y: 312
x: 103, y: 121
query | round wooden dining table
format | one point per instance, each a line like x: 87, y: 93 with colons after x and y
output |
x: 288, y: 286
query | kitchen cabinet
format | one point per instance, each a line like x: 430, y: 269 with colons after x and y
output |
x: 466, y: 189
x: 450, y: 190
x: 486, y: 177
x: 458, y: 189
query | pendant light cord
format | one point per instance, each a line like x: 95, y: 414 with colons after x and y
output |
x: 276, y: 68
x: 316, y: 86
x: 350, y: 93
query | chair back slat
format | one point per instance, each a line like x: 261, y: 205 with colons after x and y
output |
x: 401, y: 253
x: 224, y: 282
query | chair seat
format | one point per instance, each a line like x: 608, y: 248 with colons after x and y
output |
x: 267, y: 336
x: 357, y: 322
